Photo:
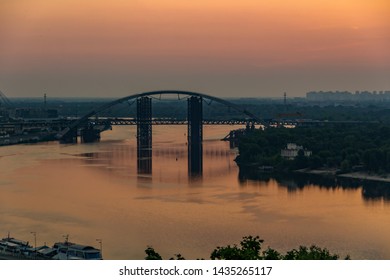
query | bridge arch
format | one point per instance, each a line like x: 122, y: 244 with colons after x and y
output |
x: 152, y: 93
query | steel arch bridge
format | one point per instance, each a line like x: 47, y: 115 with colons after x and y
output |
x: 144, y: 126
x: 108, y: 105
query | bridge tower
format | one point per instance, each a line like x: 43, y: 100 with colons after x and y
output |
x: 195, y: 135
x: 144, y: 135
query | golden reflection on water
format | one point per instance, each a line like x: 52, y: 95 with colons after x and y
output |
x: 92, y: 191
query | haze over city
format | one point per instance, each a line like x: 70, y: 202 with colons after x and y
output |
x: 224, y: 48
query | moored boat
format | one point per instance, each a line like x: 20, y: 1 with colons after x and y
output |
x: 14, y: 249
x: 71, y: 251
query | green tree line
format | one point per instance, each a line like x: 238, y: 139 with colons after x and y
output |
x: 345, y: 147
x: 250, y: 248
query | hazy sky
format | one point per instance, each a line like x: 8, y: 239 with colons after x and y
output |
x: 219, y: 47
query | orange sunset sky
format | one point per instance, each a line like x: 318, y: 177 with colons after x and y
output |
x: 253, y: 48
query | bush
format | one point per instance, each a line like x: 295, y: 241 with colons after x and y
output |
x: 250, y: 249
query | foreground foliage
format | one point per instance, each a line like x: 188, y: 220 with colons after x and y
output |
x: 250, y: 248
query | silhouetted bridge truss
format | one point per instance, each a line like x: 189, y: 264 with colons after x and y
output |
x: 86, y: 127
x: 168, y: 121
x: 144, y: 105
x: 64, y: 123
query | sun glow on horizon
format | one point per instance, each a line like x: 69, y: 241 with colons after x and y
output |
x: 204, y: 39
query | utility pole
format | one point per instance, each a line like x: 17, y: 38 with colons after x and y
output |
x: 101, y: 246
x: 35, y: 242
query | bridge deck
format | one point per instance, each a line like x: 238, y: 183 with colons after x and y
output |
x: 117, y: 121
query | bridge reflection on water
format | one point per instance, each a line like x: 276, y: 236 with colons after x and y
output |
x: 170, y: 162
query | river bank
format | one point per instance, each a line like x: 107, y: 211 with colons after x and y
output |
x: 361, y: 175
x: 323, y: 172
x: 27, y: 138
x: 366, y: 176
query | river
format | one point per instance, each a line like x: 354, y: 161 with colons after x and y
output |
x: 92, y: 191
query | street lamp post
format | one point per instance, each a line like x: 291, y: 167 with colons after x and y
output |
x: 35, y: 242
x: 101, y: 246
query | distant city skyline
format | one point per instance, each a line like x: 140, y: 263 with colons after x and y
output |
x: 248, y: 48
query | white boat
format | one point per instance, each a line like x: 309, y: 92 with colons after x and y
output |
x: 14, y: 249
x: 11, y: 248
x: 71, y: 251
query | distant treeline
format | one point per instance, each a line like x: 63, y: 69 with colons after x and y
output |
x: 362, y: 96
x: 347, y: 148
x: 264, y: 108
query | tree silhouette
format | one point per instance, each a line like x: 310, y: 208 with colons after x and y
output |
x: 250, y: 249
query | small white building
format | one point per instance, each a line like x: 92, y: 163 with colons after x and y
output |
x: 291, y: 151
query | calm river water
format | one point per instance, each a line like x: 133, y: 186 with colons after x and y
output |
x: 93, y: 191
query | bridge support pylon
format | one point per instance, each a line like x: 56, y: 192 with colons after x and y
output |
x: 89, y: 134
x: 195, y: 135
x: 70, y: 137
x: 144, y: 135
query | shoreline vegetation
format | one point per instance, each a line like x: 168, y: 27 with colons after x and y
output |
x: 250, y: 248
x: 360, y: 152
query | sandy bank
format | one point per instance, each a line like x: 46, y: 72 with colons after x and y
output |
x: 352, y: 175
x: 366, y: 176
